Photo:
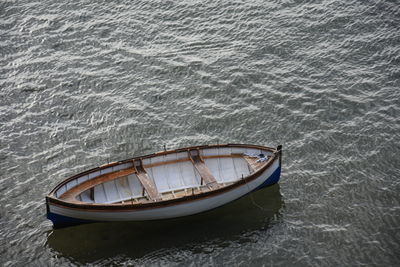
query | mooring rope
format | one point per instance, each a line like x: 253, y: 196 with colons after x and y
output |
x: 251, y: 196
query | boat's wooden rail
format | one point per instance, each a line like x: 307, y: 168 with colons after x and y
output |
x: 150, y: 192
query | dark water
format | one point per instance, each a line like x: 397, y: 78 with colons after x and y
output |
x: 86, y: 82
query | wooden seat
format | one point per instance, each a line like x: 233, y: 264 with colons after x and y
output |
x: 205, y: 173
x: 253, y: 162
x: 148, y: 184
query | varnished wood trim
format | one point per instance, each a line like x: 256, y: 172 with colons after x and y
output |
x: 51, y: 199
x: 185, y: 149
x: 71, y: 194
x: 152, y: 205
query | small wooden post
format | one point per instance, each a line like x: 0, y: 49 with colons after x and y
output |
x: 279, y: 152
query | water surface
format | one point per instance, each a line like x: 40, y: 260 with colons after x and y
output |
x: 84, y: 83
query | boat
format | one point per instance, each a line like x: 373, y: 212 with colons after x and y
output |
x: 165, y: 184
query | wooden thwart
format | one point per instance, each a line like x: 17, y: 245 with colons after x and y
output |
x: 145, y: 180
x: 203, y: 170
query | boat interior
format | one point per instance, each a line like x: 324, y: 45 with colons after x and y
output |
x: 165, y: 176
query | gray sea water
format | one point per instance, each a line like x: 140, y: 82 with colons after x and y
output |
x: 83, y: 83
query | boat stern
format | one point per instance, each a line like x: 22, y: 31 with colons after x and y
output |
x: 60, y: 221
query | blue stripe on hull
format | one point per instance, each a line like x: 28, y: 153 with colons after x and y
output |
x: 64, y: 221
x: 273, y: 179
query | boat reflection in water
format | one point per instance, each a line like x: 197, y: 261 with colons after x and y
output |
x: 234, y: 222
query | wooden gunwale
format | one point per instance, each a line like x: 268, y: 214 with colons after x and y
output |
x: 152, y: 205
x: 118, y: 207
x: 160, y: 153
x: 71, y: 194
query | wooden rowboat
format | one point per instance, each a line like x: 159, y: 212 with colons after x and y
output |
x: 165, y: 184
